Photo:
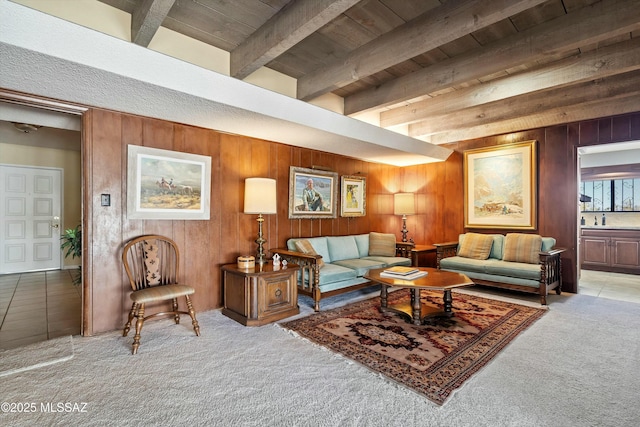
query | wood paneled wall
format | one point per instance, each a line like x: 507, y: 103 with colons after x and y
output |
x: 206, y: 245
x: 558, y: 180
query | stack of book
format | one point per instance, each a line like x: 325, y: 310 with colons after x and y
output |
x: 403, y: 273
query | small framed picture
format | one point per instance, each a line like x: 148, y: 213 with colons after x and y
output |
x: 353, y: 200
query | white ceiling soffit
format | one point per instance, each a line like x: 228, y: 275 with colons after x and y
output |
x: 605, y: 148
x: 75, y: 64
x: 37, y: 116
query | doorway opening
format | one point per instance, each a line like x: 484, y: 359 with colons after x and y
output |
x: 38, y: 297
x: 608, y: 220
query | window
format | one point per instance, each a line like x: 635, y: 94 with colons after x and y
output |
x: 616, y: 195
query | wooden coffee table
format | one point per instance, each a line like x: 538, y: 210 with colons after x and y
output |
x: 416, y: 312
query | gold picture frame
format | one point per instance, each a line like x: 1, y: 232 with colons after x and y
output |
x: 321, y: 200
x: 353, y: 196
x: 500, y: 187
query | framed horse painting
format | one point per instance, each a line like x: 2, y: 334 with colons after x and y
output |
x: 163, y: 184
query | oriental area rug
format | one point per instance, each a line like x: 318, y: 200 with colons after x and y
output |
x: 432, y: 359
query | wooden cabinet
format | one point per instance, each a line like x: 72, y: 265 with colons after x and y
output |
x: 615, y: 250
x: 260, y: 295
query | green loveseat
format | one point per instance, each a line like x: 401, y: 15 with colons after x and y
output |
x: 504, y: 262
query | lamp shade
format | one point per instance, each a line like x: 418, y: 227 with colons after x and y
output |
x: 404, y: 204
x: 260, y: 196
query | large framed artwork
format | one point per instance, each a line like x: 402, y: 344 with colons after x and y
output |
x: 500, y: 187
x: 313, y: 193
x: 163, y: 184
x: 353, y: 196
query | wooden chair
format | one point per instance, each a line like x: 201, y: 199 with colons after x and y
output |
x: 151, y: 263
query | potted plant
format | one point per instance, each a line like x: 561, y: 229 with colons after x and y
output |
x: 72, y: 243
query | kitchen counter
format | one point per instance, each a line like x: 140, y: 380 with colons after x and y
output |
x: 609, y: 227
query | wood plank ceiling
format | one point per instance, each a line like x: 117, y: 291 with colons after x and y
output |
x: 443, y: 71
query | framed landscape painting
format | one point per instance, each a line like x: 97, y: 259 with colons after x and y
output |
x: 500, y: 187
x: 313, y: 193
x: 163, y: 184
x: 353, y: 196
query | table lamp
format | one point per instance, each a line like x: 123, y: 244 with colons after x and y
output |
x: 404, y: 204
x: 260, y: 198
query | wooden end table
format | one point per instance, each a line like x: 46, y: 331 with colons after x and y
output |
x: 415, y: 311
x: 423, y: 256
x: 260, y: 295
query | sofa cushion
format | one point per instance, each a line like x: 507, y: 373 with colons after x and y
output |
x: 499, y: 279
x: 342, y: 247
x: 304, y: 246
x: 361, y: 266
x: 362, y: 240
x: 319, y: 245
x: 475, y: 246
x: 332, y: 273
x: 382, y: 244
x: 548, y: 243
x: 521, y: 270
x: 519, y: 247
x: 497, y: 247
x: 459, y: 263
x: 389, y: 261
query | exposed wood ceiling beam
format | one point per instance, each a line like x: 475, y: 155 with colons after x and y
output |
x: 591, y: 24
x: 285, y: 29
x: 434, y: 28
x: 147, y: 19
x: 615, y: 59
x: 530, y: 104
x: 599, y: 108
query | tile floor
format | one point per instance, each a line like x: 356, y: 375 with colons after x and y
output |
x: 38, y: 306
x: 42, y: 305
x: 625, y: 287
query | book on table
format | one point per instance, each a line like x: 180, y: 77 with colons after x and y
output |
x: 411, y: 276
x: 400, y: 270
x: 402, y: 273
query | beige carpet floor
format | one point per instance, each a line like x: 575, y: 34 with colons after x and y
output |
x: 576, y: 366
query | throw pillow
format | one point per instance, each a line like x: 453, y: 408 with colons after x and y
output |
x: 475, y: 245
x: 522, y: 248
x: 305, y: 247
x: 382, y: 244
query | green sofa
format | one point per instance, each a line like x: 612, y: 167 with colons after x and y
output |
x: 337, y: 263
x: 540, y: 273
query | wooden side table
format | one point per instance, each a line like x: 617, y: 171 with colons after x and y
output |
x: 423, y: 256
x: 260, y: 295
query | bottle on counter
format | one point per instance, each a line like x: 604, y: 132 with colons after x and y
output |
x: 604, y: 220
x: 582, y: 222
x: 596, y: 220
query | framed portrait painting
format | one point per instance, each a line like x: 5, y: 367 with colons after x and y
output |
x: 500, y: 187
x: 313, y: 193
x: 163, y: 184
x: 353, y: 196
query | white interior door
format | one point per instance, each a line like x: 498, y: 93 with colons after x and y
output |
x: 30, y: 211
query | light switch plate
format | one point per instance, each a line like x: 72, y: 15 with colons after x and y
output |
x: 105, y: 200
